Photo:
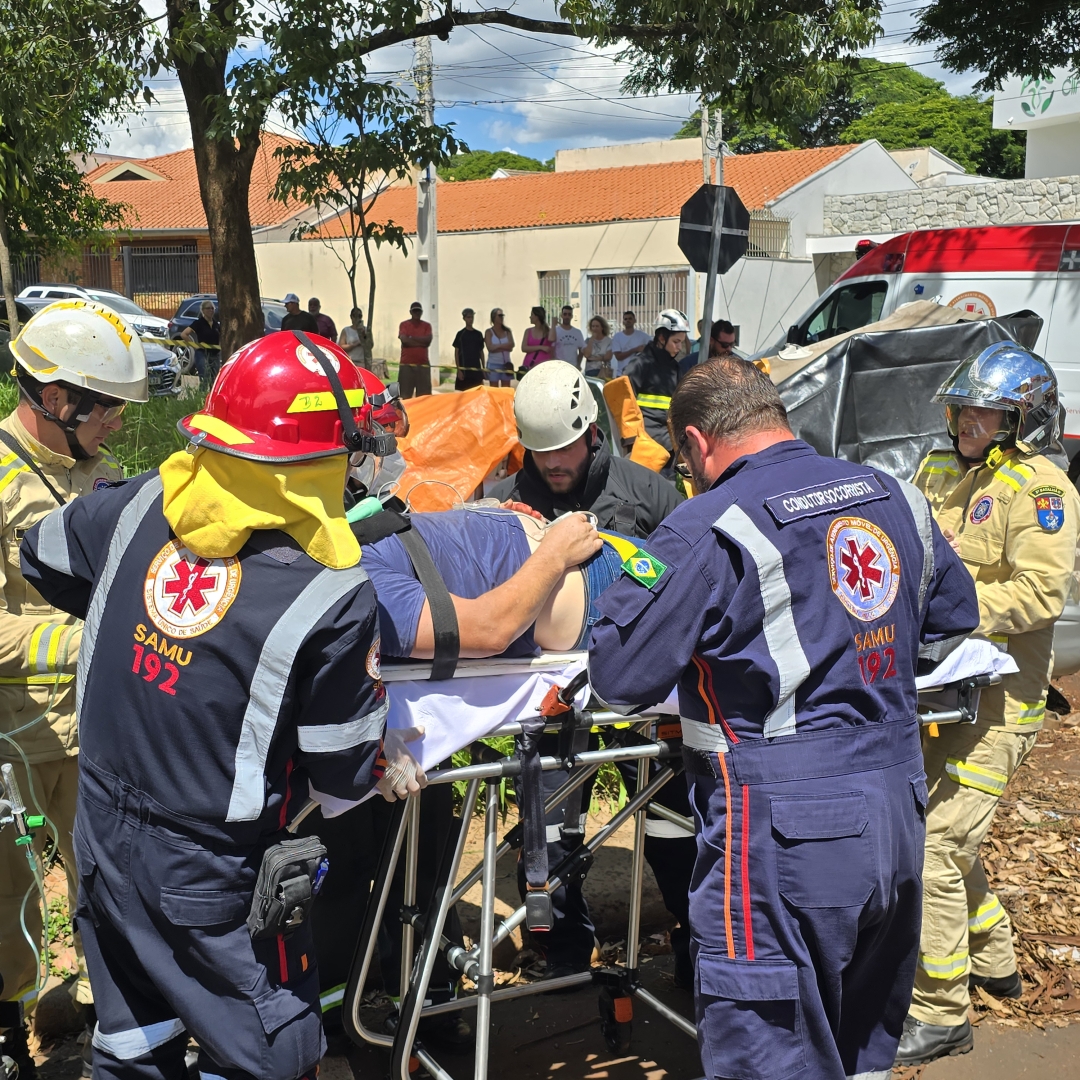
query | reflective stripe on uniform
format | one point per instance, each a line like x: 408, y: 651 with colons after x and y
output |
x: 268, y: 685
x: 975, y: 776
x: 653, y: 401
x: 1015, y: 476
x: 780, y: 634
x: 940, y: 464
x: 126, y: 526
x: 709, y: 737
x: 665, y: 830
x: 945, y: 967
x: 330, y: 738
x: 45, y: 646
x: 35, y: 680
x: 334, y: 996
x: 110, y: 460
x: 134, y: 1042
x: 1031, y: 714
x: 881, y: 1074
x: 52, y: 548
x: 920, y: 510
x: 10, y: 467
x: 986, y: 917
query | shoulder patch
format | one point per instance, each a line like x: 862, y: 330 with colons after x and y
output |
x: 825, y: 498
x: 644, y: 568
x: 1047, y: 489
x: 864, y: 568
x: 1049, y: 509
x: 981, y: 510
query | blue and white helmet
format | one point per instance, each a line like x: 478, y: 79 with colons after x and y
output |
x: 1007, y: 376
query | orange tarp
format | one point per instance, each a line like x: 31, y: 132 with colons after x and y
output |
x: 456, y: 438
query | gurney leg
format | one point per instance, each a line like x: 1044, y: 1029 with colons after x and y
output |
x: 412, y: 1004
x: 368, y: 940
x: 485, y: 983
x: 412, y: 854
x: 637, y: 872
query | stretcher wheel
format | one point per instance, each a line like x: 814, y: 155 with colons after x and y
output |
x: 616, y: 1020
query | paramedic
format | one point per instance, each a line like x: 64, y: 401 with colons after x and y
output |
x: 1012, y: 515
x: 787, y: 603
x: 229, y: 644
x: 77, y: 364
x: 568, y: 466
x: 654, y: 374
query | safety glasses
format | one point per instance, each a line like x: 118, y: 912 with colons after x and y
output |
x: 681, y: 467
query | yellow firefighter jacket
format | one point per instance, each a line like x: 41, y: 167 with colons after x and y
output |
x: 1017, y: 526
x: 38, y: 643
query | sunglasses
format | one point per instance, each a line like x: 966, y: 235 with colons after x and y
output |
x: 681, y: 468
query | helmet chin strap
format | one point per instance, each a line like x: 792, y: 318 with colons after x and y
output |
x: 84, y: 406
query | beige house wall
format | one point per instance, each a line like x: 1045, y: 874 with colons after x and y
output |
x: 480, y: 270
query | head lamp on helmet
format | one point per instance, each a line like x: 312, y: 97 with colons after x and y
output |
x: 285, y: 398
x: 1008, y: 377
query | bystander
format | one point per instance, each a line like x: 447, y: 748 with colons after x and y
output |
x: 627, y: 343
x: 326, y: 324
x: 414, y: 373
x: 568, y: 338
x: 295, y: 319
x: 469, y: 353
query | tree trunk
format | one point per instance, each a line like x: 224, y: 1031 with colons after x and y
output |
x: 8, y: 275
x: 224, y: 166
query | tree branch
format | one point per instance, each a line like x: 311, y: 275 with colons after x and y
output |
x: 442, y: 26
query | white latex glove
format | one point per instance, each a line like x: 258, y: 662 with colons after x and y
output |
x: 404, y: 775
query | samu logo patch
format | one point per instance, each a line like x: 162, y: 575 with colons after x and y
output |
x: 1049, y: 507
x: 981, y: 510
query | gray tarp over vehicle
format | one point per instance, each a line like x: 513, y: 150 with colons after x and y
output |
x: 866, y: 396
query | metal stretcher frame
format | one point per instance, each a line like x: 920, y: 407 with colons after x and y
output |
x: 955, y: 703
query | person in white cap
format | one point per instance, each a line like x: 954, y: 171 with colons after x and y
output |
x: 77, y: 365
x: 298, y: 319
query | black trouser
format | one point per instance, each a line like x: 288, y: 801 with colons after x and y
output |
x: 353, y: 843
x: 569, y: 942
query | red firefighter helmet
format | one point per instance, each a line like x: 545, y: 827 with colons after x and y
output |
x: 289, y: 397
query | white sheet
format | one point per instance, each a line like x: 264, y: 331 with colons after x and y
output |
x: 976, y: 656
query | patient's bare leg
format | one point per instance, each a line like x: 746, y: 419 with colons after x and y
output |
x: 558, y: 626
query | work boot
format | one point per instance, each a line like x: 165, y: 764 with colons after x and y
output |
x: 1007, y: 986
x: 17, y: 1048
x: 921, y: 1042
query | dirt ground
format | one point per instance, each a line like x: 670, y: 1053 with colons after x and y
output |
x: 1032, y: 858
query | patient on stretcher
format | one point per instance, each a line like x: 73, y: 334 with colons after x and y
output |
x: 519, y: 586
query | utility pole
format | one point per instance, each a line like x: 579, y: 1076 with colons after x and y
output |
x: 712, y: 145
x: 427, y: 230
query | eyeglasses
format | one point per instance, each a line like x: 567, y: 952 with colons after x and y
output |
x: 681, y: 468
x: 105, y: 409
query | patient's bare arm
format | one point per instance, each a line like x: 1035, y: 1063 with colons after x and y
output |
x: 488, y: 624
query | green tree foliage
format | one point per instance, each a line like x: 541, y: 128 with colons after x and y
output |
x: 898, y: 106
x: 66, y: 66
x: 480, y: 164
x: 357, y: 145
x: 1012, y: 37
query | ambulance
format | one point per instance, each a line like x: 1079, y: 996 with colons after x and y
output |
x: 996, y: 270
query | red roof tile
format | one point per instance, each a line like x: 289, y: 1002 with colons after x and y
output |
x: 174, y: 203
x: 588, y: 196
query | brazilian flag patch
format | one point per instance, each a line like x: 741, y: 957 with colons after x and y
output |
x: 644, y: 568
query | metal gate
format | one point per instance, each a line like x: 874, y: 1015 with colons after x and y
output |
x: 645, y: 293
x: 554, y: 292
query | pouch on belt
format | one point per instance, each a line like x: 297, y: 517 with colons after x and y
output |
x: 290, y: 877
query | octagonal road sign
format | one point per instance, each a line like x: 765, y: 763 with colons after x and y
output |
x: 696, y: 225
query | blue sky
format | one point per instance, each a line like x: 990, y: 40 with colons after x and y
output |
x: 505, y: 89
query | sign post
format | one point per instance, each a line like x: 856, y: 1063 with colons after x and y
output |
x: 714, y: 233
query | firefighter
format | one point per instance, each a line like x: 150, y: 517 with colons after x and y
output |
x: 787, y: 603
x: 654, y: 374
x: 1013, y: 515
x: 229, y: 661
x: 568, y: 468
x: 77, y: 364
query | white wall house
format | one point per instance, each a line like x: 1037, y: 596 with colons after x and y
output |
x: 1049, y: 111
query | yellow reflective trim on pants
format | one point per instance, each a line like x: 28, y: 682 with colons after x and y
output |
x: 987, y: 916
x: 975, y: 776
x: 1015, y: 477
x: 35, y: 680
x: 333, y: 997
x: 653, y: 401
x: 945, y: 967
x: 1031, y: 714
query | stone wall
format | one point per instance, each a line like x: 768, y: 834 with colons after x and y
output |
x: 998, y: 202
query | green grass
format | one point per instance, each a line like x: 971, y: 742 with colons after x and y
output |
x: 149, y: 433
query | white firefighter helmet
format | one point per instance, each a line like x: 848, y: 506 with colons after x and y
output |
x: 673, y: 321
x: 553, y: 406
x: 83, y: 344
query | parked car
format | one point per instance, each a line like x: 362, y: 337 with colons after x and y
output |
x: 24, y: 311
x: 188, y: 311
x: 985, y: 271
x: 146, y: 324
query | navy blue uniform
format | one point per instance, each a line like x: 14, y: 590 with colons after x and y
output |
x: 206, y: 689
x: 788, y: 605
